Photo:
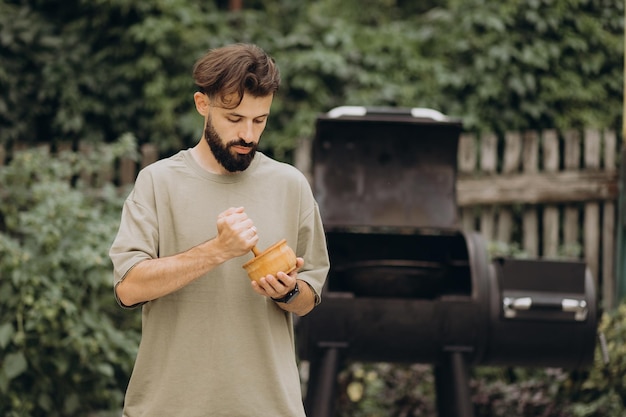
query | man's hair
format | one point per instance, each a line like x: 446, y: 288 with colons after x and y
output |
x: 236, y: 69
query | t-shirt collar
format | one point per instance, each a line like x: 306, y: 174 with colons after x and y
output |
x: 223, y: 178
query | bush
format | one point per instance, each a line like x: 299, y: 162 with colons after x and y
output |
x: 65, y: 348
x: 601, y: 391
x: 382, y: 389
x: 92, y: 69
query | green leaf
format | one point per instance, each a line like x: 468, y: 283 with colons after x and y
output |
x: 45, y: 402
x: 106, y: 370
x: 6, y: 333
x: 71, y: 404
x: 14, y: 365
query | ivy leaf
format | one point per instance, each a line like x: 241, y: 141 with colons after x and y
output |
x: 14, y: 365
x: 6, y: 333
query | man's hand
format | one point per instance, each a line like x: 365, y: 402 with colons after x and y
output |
x: 279, y: 285
x: 236, y: 234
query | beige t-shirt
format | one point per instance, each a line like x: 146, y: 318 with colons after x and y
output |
x: 215, y: 347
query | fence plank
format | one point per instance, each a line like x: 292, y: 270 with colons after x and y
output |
x: 489, y: 153
x: 530, y: 228
x: 571, y: 153
x: 550, y: 211
x: 149, y: 154
x: 530, y: 157
x: 570, y: 225
x: 538, y: 188
x: 512, y: 153
x: 467, y: 154
x: 550, y: 151
x: 530, y: 220
x: 467, y: 220
x: 592, y: 149
x: 512, y: 161
x: 505, y: 225
x: 487, y: 223
x: 488, y: 165
x: 591, y: 237
x: 128, y: 171
x: 591, y: 230
x: 610, y: 151
x: 550, y: 232
x: 571, y: 162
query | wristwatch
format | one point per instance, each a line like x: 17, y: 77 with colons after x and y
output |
x: 289, y: 297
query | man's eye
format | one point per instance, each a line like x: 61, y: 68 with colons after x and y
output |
x: 233, y: 120
x: 259, y: 121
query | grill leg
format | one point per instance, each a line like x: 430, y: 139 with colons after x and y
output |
x: 452, y: 386
x: 322, y: 382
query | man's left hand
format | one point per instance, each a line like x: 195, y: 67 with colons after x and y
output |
x: 278, y: 286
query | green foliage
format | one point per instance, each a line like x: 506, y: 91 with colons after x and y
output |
x: 96, y: 69
x: 519, y: 392
x: 497, y: 249
x: 531, y: 64
x: 382, y: 389
x: 79, y: 69
x: 65, y: 348
x: 601, y: 392
x: 90, y: 70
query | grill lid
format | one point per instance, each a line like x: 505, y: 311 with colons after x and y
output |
x: 386, y: 167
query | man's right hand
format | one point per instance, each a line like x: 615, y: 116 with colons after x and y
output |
x: 236, y: 234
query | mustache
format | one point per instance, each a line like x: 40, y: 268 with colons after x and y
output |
x: 241, y: 142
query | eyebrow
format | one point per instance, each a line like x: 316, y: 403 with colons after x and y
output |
x: 233, y: 114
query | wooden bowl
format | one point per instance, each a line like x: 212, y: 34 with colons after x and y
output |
x: 277, y: 258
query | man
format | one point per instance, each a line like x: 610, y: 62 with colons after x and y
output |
x: 213, y: 342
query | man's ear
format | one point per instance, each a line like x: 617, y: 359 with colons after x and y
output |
x: 202, y: 103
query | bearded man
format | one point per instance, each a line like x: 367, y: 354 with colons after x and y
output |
x: 214, y: 343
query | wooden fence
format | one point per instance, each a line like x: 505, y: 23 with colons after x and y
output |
x: 550, y: 194
x: 545, y: 194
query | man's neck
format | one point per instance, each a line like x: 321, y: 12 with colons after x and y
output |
x: 204, y: 157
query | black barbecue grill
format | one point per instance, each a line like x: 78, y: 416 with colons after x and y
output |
x: 407, y: 285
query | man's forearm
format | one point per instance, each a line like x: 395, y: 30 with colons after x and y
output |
x: 154, y: 278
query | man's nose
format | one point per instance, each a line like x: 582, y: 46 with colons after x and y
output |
x: 247, y: 132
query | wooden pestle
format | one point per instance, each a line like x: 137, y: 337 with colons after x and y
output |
x: 256, y: 251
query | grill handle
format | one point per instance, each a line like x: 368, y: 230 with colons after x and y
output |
x: 511, y: 306
x: 360, y: 111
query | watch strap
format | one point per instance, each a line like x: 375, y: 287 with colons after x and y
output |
x: 289, y: 297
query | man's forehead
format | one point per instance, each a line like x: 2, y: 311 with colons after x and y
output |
x: 249, y: 106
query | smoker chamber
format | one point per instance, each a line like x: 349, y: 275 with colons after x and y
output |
x: 407, y: 285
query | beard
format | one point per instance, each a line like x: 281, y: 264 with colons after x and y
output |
x: 230, y: 160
